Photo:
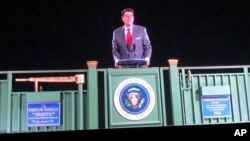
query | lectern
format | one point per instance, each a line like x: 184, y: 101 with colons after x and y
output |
x: 131, y: 63
x: 134, y: 97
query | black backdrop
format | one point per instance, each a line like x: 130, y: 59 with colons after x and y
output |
x: 50, y: 34
x: 58, y: 34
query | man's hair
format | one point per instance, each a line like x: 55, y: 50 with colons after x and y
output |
x: 127, y: 10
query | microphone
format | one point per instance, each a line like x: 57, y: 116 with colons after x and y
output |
x: 134, y: 47
x: 131, y: 47
x: 131, y: 52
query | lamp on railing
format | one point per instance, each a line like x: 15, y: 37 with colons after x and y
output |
x: 189, y: 78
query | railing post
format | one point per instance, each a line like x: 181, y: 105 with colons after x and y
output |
x: 80, y: 81
x: 246, y: 74
x: 175, y: 92
x: 92, y: 121
x: 5, y: 104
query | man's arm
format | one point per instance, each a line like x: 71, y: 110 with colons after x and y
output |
x: 147, y: 47
x: 115, y: 50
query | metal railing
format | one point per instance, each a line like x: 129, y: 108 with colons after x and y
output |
x: 84, y: 105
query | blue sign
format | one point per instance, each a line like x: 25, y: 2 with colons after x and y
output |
x: 43, y: 114
x: 216, y: 106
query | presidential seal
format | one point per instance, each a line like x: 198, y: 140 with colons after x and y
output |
x: 134, y: 99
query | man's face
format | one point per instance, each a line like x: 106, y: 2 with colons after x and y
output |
x: 128, y: 18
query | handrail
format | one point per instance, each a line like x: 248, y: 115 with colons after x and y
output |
x: 79, y: 79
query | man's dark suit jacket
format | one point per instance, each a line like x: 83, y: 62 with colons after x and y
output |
x: 140, y: 43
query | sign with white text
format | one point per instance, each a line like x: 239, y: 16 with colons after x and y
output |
x: 43, y: 114
x: 216, y: 106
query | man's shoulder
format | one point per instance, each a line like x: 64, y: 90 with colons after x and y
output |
x: 139, y: 26
x: 118, y: 29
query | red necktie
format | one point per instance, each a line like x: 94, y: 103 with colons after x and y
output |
x: 129, y: 38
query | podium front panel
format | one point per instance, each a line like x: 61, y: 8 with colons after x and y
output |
x: 134, y: 98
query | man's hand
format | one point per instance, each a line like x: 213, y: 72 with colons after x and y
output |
x: 147, y: 61
x: 116, y: 65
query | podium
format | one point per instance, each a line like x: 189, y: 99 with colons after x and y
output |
x: 131, y: 63
x: 135, y: 98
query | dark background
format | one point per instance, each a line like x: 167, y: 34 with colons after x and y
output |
x: 48, y: 34
x: 59, y: 34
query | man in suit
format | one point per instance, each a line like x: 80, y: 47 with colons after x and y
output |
x: 131, y: 41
